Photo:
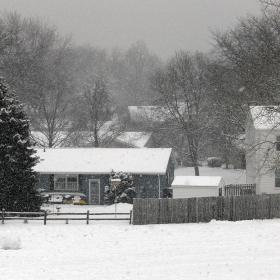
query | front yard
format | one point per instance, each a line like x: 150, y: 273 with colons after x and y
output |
x: 117, y: 250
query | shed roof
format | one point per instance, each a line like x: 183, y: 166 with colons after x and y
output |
x: 265, y: 117
x: 103, y: 160
x: 197, y: 181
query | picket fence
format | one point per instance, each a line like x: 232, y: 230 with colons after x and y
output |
x: 205, y: 209
x: 241, y: 189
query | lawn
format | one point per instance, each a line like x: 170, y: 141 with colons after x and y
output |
x: 117, y: 250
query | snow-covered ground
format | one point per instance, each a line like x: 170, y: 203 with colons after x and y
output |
x: 117, y: 250
x: 230, y: 176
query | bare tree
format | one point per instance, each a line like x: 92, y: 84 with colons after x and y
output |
x: 35, y: 59
x: 251, y: 51
x: 182, y: 90
x: 98, y: 107
x: 249, y: 54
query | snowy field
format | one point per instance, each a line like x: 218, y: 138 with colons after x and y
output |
x: 117, y: 250
x: 230, y: 176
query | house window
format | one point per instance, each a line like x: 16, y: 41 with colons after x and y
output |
x: 65, y: 182
x: 277, y: 143
x: 277, y: 179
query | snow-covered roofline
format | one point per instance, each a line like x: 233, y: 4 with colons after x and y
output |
x: 197, y: 181
x: 103, y: 160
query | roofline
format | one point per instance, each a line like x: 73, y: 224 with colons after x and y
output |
x: 103, y: 173
x: 197, y: 186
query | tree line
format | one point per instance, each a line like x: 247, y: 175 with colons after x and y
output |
x: 74, y: 89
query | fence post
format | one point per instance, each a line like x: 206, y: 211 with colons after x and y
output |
x: 45, y: 217
x: 130, y: 217
x: 196, y: 209
x: 87, y: 217
x: 3, y: 215
x: 269, y: 206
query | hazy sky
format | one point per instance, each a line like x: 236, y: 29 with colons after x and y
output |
x: 165, y: 26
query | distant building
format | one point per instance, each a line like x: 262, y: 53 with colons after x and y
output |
x: 262, y: 138
x: 132, y: 139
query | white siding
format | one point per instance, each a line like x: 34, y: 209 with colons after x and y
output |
x: 261, y: 157
x: 266, y: 160
x: 250, y: 139
x: 187, y: 192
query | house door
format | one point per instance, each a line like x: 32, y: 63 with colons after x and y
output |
x: 94, y: 192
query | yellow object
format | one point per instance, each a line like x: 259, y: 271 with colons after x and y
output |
x: 82, y: 202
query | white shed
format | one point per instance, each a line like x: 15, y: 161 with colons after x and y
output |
x: 197, y: 186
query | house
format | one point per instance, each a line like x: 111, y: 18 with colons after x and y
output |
x: 147, y: 114
x: 132, y: 139
x: 78, y: 138
x: 87, y: 170
x: 262, y: 139
x: 197, y: 186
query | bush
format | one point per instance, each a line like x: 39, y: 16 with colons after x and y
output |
x: 214, y: 162
x: 123, y: 192
x: 11, y: 243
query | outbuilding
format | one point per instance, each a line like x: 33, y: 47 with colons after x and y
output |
x: 197, y: 186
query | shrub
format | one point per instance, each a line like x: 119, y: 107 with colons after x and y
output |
x: 123, y: 192
x: 11, y: 243
x: 214, y: 162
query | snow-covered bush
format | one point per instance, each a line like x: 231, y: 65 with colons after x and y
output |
x: 10, y: 243
x: 17, y: 156
x: 120, y: 188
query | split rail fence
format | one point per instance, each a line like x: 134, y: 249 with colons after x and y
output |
x: 205, y: 209
x: 45, y: 216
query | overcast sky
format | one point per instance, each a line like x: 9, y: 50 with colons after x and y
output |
x: 165, y: 26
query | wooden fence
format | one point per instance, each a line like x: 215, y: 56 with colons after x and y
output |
x: 45, y: 216
x: 205, y: 209
x: 242, y: 189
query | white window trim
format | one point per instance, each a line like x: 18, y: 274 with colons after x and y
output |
x: 56, y: 176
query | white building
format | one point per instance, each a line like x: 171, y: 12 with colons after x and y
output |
x: 197, y: 186
x: 262, y: 138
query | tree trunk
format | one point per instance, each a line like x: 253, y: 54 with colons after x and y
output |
x: 96, y: 142
x: 196, y: 170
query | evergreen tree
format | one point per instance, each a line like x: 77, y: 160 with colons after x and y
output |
x: 17, y: 178
x: 120, y: 188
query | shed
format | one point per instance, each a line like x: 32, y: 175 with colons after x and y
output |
x: 197, y: 186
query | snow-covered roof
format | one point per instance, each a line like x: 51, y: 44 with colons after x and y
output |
x: 265, y: 117
x: 196, y: 181
x: 148, y: 113
x: 133, y: 138
x: 84, y: 138
x: 103, y: 160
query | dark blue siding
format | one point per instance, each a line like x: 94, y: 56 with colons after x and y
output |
x: 147, y: 186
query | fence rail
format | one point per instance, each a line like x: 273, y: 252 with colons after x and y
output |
x: 45, y: 216
x: 236, y: 190
x: 205, y: 209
